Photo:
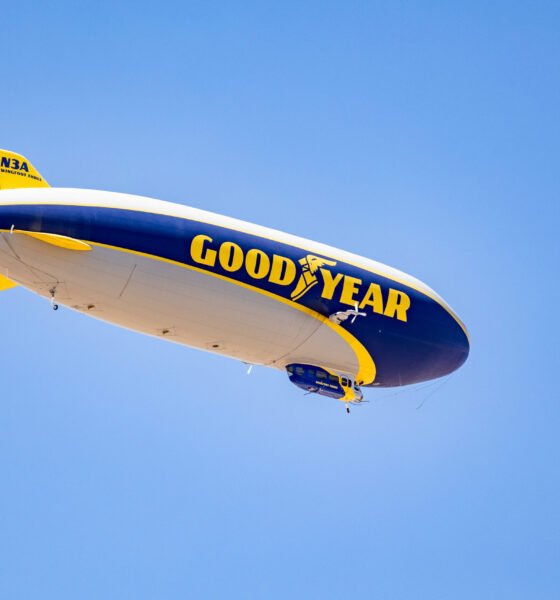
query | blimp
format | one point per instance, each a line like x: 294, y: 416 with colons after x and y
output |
x: 334, y: 322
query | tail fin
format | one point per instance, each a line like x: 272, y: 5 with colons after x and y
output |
x: 17, y: 172
x: 5, y: 283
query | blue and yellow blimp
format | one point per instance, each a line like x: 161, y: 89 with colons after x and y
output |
x: 337, y: 322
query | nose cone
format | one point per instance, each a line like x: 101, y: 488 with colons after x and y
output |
x: 439, y: 340
x: 444, y: 341
x: 432, y: 343
x: 452, y: 340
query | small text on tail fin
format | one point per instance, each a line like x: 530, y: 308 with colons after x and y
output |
x: 17, y: 172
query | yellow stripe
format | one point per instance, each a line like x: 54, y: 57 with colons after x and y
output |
x: 367, y: 369
x: 264, y: 237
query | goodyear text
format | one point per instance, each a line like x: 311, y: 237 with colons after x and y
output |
x: 310, y: 271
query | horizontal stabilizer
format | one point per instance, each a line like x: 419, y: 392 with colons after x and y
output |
x: 17, y: 172
x: 62, y: 241
x: 6, y: 284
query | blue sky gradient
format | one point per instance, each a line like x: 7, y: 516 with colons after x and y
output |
x: 425, y: 136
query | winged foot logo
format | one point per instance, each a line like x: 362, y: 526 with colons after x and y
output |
x: 308, y: 278
x: 310, y: 271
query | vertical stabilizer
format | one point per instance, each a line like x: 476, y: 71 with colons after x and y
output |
x: 17, y: 172
x: 6, y: 284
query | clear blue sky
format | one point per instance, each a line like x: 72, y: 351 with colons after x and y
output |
x: 424, y: 135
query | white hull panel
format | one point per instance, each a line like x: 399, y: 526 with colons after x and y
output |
x: 176, y: 303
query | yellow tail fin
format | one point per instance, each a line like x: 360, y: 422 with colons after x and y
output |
x: 17, y: 172
x: 6, y: 284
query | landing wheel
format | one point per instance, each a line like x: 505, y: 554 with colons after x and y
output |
x: 347, y: 409
x: 55, y: 306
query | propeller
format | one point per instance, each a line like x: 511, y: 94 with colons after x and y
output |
x: 356, y: 313
x: 342, y: 315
